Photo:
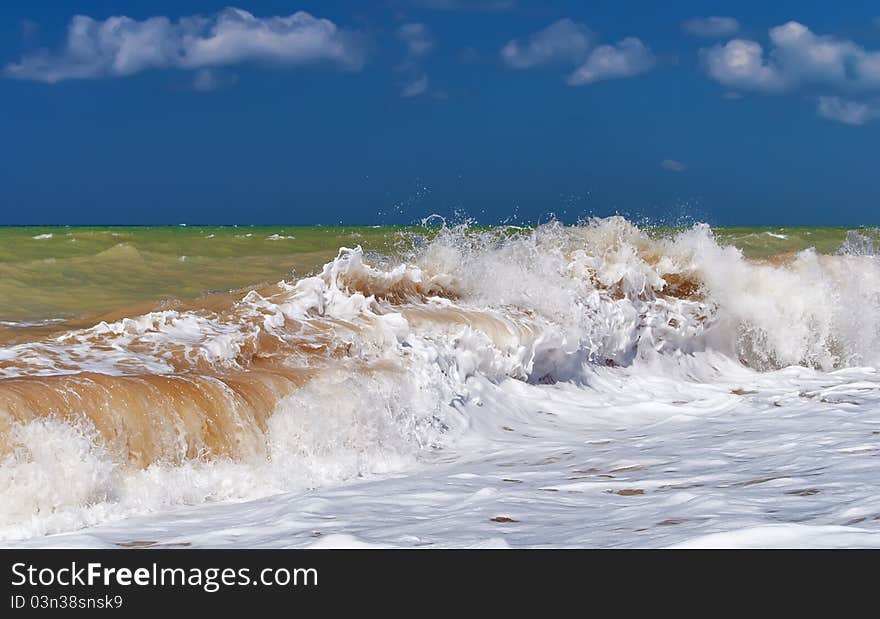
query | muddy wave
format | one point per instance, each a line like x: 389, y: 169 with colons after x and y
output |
x: 363, y: 367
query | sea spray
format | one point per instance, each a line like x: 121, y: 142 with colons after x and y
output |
x: 373, y: 364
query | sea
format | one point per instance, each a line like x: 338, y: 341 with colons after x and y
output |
x: 605, y: 384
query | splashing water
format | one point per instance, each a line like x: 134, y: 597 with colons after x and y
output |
x: 386, y: 363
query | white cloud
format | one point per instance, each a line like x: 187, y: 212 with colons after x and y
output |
x: 418, y: 42
x: 846, y: 111
x: 624, y: 59
x: 740, y: 64
x: 415, y: 87
x: 564, y: 41
x: 417, y: 38
x: 569, y: 42
x: 711, y: 27
x: 671, y: 165
x: 797, y: 57
x: 120, y: 46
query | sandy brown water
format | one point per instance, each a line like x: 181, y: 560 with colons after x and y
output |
x: 59, y: 285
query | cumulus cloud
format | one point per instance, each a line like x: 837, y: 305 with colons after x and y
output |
x: 120, y: 46
x: 625, y: 59
x: 562, y: 41
x: 741, y: 64
x: 796, y: 57
x: 846, y: 111
x: 671, y: 165
x: 569, y: 42
x: 419, y: 42
x: 711, y: 27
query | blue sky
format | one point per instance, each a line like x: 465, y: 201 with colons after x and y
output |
x: 306, y: 112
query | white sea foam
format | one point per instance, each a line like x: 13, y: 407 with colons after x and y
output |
x: 595, y: 384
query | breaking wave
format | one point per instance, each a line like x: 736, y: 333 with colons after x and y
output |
x: 363, y: 368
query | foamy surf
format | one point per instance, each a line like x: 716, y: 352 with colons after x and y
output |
x: 475, y: 364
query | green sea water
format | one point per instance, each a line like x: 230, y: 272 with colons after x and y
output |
x: 64, y: 272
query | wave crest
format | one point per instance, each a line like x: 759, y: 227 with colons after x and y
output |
x: 364, y: 365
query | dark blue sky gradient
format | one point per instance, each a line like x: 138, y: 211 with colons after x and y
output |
x: 318, y: 145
